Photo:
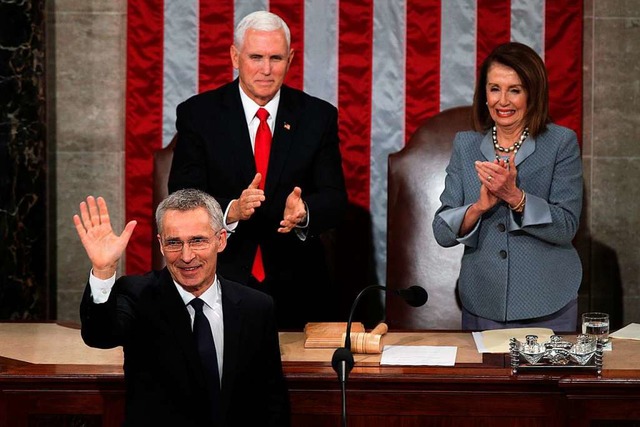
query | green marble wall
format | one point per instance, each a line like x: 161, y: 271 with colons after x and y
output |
x: 24, y: 293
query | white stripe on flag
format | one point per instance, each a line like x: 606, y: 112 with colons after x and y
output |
x: 457, y: 53
x: 321, y: 53
x: 321, y: 49
x: 242, y: 8
x: 527, y: 23
x: 180, y: 68
x: 387, y: 113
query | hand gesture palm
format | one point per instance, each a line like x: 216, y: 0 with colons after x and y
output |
x: 294, y: 211
x: 103, y: 246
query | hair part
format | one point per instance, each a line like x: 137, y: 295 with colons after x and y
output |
x: 260, y: 21
x: 187, y: 200
x: 533, y: 75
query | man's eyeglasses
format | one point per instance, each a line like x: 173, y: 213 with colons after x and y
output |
x: 196, y: 244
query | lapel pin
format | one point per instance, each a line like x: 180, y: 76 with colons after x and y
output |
x: 287, y: 126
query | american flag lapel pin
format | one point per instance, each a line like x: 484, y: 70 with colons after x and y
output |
x: 287, y: 126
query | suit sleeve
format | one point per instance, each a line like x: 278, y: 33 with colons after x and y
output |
x: 449, y: 216
x: 106, y: 325
x: 278, y: 406
x: 556, y: 220
x: 327, y: 199
x: 189, y: 165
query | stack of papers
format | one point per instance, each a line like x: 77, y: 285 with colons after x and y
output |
x: 418, y: 355
x: 629, y: 332
x: 497, y: 340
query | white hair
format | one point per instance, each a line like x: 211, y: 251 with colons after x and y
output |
x: 261, y: 21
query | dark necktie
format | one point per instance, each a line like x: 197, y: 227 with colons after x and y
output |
x: 207, y: 350
x: 261, y: 153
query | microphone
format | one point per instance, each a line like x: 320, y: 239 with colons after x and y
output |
x: 415, y: 296
x: 342, y: 360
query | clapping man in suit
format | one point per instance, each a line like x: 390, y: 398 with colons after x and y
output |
x: 270, y: 155
x: 199, y: 350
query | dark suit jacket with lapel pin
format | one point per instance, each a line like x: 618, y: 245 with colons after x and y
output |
x: 163, y: 374
x: 214, y: 154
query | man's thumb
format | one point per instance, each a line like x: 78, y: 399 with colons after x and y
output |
x: 256, y: 181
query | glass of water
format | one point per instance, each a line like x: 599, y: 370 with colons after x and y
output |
x: 597, y: 325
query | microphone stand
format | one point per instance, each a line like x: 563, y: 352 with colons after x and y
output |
x: 342, y: 360
x: 347, y: 338
x: 342, y: 363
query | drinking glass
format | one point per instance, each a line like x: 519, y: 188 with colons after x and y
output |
x: 597, y: 325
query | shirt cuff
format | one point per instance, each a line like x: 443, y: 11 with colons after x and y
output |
x: 229, y: 227
x: 306, y: 218
x: 302, y: 230
x: 101, y: 289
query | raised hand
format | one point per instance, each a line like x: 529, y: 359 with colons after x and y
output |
x: 250, y: 199
x: 103, y: 246
x: 294, y: 211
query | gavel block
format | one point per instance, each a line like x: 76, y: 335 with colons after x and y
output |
x: 328, y: 334
x: 368, y: 342
x: 332, y: 335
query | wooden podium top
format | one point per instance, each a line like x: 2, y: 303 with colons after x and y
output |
x: 292, y: 347
x: 47, y: 373
x: 53, y: 344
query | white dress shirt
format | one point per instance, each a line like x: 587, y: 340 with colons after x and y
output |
x: 250, y: 109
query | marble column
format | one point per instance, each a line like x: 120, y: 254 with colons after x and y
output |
x: 611, y: 158
x: 24, y: 292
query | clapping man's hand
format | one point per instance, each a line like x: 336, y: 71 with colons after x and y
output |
x: 250, y: 199
x: 295, y: 211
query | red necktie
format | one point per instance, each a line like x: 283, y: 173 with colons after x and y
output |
x: 261, y: 153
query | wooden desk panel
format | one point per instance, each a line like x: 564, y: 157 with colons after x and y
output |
x: 478, y: 392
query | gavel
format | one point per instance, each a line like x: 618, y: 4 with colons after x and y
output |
x: 368, y: 342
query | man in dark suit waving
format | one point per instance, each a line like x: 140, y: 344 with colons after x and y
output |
x: 199, y: 350
x: 270, y: 155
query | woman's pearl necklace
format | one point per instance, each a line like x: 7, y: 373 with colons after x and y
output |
x: 516, y: 145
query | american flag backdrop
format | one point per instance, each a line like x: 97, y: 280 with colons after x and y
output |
x: 386, y: 64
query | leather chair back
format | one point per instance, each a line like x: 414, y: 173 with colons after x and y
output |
x: 415, y: 181
x: 161, y: 167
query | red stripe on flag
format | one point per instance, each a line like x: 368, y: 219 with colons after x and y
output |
x: 422, y: 97
x: 563, y: 58
x: 216, y: 38
x: 143, y: 123
x: 355, y: 57
x: 493, y: 25
x: 292, y: 12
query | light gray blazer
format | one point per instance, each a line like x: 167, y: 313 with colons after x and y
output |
x: 516, y: 266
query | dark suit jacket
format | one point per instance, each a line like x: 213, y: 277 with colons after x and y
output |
x: 213, y: 153
x: 163, y: 374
